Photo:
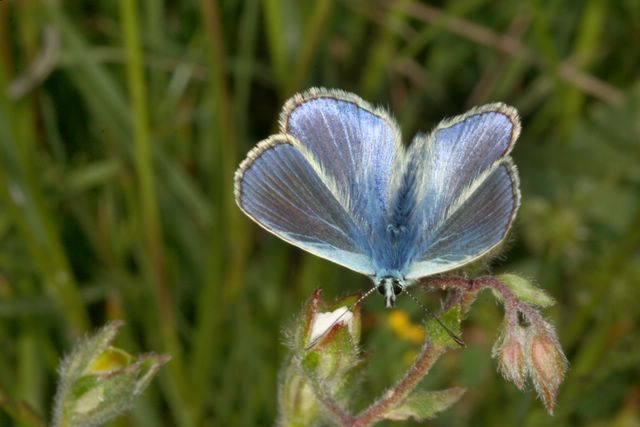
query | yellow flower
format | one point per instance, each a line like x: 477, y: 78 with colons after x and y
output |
x: 401, y: 325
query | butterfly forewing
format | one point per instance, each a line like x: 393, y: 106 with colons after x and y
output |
x: 281, y: 188
x: 355, y: 144
x: 456, y: 153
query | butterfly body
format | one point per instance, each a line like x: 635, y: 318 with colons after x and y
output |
x: 338, y: 182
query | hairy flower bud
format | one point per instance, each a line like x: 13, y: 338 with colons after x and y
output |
x: 546, y: 363
x: 99, y: 382
x: 509, y: 350
x: 324, y: 321
x: 325, y: 353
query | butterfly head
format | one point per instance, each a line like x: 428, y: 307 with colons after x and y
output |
x: 390, y: 287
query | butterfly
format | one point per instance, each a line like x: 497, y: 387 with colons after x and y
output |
x: 338, y: 182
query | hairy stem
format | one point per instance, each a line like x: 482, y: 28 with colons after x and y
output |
x: 338, y: 413
x: 512, y: 304
x: 429, y: 354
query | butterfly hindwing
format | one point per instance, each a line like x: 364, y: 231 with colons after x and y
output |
x: 475, y: 227
x: 281, y: 187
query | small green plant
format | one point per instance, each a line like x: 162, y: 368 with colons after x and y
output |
x: 318, y: 380
x: 99, y: 382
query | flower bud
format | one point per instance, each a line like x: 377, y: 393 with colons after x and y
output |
x: 323, y: 322
x: 546, y: 363
x: 509, y: 350
x: 331, y: 329
x: 524, y: 290
x: 99, y: 382
x: 325, y: 351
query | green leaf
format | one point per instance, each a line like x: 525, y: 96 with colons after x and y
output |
x: 439, y: 335
x: 297, y: 403
x: 310, y: 362
x: 525, y: 290
x: 422, y: 405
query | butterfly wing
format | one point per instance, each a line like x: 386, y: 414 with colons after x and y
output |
x: 354, y: 143
x: 324, y: 183
x: 466, y: 189
x: 282, y: 188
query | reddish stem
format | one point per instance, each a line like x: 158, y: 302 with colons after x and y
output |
x: 429, y: 354
x: 338, y: 413
x: 512, y: 304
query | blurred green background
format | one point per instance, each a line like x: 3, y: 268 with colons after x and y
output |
x: 122, y: 122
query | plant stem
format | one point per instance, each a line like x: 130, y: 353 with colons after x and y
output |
x: 339, y: 414
x: 512, y: 304
x: 149, y: 215
x: 429, y: 354
x: 317, y: 22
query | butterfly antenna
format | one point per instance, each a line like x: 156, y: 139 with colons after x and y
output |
x: 431, y: 314
x: 349, y: 309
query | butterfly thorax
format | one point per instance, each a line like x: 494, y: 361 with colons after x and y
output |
x: 391, y: 258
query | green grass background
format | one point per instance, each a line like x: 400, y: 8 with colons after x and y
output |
x: 122, y: 122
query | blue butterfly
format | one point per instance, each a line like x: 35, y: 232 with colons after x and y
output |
x: 339, y: 183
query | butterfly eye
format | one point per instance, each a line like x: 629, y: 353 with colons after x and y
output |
x: 397, y: 287
x: 380, y: 288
